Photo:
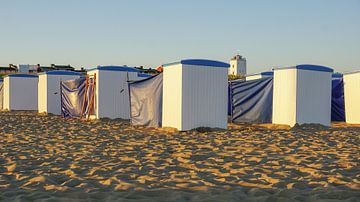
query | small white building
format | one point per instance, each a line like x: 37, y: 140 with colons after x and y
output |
x: 112, y: 91
x: 21, y: 92
x: 259, y: 75
x: 352, y: 97
x: 49, y: 96
x: 302, y: 94
x: 195, y: 94
x: 237, y: 66
x: 23, y: 68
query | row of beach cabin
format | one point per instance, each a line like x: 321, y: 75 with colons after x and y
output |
x: 188, y: 94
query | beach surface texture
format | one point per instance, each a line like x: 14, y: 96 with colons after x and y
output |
x: 48, y: 158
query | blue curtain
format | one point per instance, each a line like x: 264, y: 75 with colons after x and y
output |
x: 251, y: 101
x: 337, y: 100
x: 72, y: 97
x: 146, y: 101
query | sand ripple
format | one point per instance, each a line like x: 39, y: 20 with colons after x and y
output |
x: 50, y: 158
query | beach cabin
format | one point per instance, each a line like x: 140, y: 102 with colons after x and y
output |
x: 195, y: 94
x: 112, y: 92
x: 49, y: 100
x: 352, y: 97
x: 302, y: 94
x: 20, y: 92
x: 259, y: 75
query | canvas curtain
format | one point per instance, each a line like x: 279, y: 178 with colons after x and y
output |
x: 146, y: 101
x: 337, y: 100
x: 251, y: 101
x: 72, y: 97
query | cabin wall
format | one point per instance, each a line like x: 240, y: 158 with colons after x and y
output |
x: 284, y: 97
x: 21, y: 93
x: 172, y: 92
x: 313, y: 97
x: 352, y: 97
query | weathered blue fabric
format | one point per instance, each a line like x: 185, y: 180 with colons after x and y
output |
x: 72, y: 98
x: 337, y: 100
x: 146, y: 101
x: 251, y: 101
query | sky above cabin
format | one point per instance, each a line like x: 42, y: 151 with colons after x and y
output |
x: 150, y: 33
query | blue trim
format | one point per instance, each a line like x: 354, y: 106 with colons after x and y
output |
x: 116, y: 68
x: 144, y: 75
x: 309, y: 67
x: 337, y: 75
x: 22, y: 75
x: 267, y: 73
x: 353, y: 72
x: 200, y: 62
x: 60, y: 73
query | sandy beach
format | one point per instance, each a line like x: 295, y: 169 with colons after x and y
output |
x: 48, y: 158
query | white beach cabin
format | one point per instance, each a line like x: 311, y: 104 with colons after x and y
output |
x: 259, y: 75
x: 20, y: 92
x: 302, y: 94
x: 195, y: 94
x: 352, y: 97
x: 112, y: 91
x: 49, y: 100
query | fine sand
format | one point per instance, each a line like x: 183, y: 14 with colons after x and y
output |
x: 48, y: 158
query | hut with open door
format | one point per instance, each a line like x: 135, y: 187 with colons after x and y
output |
x: 49, y: 98
x: 112, y: 91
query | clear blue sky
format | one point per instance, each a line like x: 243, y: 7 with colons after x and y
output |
x: 153, y: 32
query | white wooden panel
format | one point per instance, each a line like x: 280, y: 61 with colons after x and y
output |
x: 6, y: 98
x: 352, y: 97
x: 172, y: 92
x: 42, y: 93
x: 204, y: 97
x: 22, y: 93
x: 194, y: 96
x: 2, y: 97
x: 313, y: 97
x: 284, y: 97
x: 112, y: 94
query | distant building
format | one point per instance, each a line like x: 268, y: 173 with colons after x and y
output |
x: 53, y: 67
x: 23, y: 68
x: 26, y: 68
x: 63, y: 67
x: 9, y: 69
x: 237, y: 66
x: 33, y: 68
x: 44, y: 68
x: 148, y: 70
